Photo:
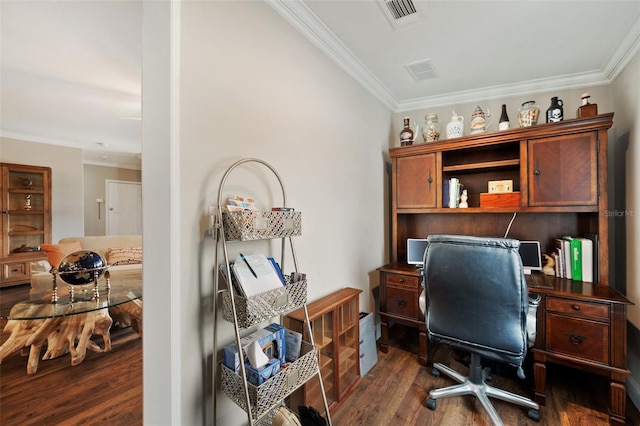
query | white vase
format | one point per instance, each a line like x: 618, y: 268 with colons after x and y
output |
x: 455, y: 128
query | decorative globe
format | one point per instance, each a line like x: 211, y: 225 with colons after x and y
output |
x: 79, y: 267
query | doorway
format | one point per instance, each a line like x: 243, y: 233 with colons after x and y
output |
x: 123, y: 207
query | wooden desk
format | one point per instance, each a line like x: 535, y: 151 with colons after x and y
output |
x: 580, y: 325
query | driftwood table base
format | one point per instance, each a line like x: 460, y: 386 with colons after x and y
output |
x: 68, y: 334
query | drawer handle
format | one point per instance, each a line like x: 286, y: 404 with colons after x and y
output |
x: 402, y: 303
x: 576, y: 339
x: 575, y: 307
x: 401, y: 280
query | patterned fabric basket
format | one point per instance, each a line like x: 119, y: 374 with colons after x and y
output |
x: 249, y: 225
x: 254, y: 310
x: 265, y: 397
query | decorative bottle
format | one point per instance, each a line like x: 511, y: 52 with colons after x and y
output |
x: 555, y: 112
x: 587, y: 109
x: 431, y: 128
x: 504, y: 119
x: 406, y: 134
x: 455, y: 127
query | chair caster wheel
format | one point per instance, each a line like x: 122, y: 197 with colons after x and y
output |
x: 534, y: 415
x: 435, y: 372
x: 431, y: 404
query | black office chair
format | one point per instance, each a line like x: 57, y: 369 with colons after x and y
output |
x: 476, y: 299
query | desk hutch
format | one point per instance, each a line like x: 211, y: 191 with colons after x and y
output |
x: 560, y: 172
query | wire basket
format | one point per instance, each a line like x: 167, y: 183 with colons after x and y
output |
x: 254, y: 310
x: 249, y: 225
x: 265, y: 397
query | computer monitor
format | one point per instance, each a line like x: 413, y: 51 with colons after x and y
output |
x: 531, y: 256
x: 415, y: 251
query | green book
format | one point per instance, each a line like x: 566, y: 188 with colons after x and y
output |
x: 576, y: 259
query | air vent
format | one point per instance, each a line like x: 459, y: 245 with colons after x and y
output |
x: 421, y: 70
x: 399, y: 12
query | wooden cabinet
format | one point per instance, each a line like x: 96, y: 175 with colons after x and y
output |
x: 563, y: 170
x: 559, y: 172
x: 416, y: 181
x: 336, y: 333
x: 400, y: 289
x: 26, y: 220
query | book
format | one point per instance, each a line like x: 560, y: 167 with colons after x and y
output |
x: 566, y: 249
x: 454, y: 196
x: 576, y: 259
x: 445, y: 193
x: 276, y: 266
x: 586, y: 249
x: 560, y: 258
x: 595, y: 244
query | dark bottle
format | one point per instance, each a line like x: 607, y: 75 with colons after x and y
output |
x: 555, y: 112
x: 406, y: 135
x: 504, y: 119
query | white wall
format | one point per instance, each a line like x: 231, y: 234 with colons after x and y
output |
x: 627, y: 107
x: 66, y: 181
x: 251, y: 86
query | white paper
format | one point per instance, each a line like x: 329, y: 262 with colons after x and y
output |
x: 266, y: 278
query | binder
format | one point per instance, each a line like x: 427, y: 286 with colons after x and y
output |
x: 587, y: 259
x: 576, y: 259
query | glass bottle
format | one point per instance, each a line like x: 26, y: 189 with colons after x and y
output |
x: 504, y: 119
x: 406, y: 134
x: 555, y: 112
x: 431, y: 128
x: 587, y: 109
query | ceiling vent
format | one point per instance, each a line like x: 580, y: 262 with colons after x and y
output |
x: 399, y: 12
x: 421, y: 70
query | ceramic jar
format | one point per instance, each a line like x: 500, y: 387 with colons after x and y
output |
x: 455, y: 127
x: 528, y: 114
x: 431, y: 128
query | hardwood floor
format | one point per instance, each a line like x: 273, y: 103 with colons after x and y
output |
x: 106, y: 389
x: 394, y: 392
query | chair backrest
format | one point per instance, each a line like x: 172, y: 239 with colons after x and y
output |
x: 477, y: 295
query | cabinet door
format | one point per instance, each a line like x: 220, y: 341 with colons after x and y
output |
x: 562, y: 171
x: 416, y: 181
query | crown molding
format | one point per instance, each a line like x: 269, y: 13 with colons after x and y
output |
x: 300, y: 17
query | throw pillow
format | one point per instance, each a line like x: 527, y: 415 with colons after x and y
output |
x: 55, y: 252
x: 124, y: 256
x: 40, y: 266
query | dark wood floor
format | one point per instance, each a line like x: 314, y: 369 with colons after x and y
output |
x: 106, y: 389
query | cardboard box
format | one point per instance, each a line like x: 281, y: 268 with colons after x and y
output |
x: 506, y: 199
x: 271, y: 339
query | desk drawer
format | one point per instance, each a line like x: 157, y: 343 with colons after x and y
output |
x: 402, y: 302
x: 578, y: 308
x: 404, y: 281
x: 15, y: 271
x: 578, y: 337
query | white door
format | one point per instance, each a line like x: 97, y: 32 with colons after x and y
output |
x: 124, y: 207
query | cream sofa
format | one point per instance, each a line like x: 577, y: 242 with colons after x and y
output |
x: 42, y: 279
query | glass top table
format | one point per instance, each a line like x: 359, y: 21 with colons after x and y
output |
x: 41, y: 306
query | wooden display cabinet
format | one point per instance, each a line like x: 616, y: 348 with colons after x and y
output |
x: 560, y: 172
x: 26, y: 220
x: 336, y: 333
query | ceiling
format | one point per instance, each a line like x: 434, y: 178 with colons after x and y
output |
x: 71, y: 71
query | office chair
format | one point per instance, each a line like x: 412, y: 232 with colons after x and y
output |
x: 477, y: 301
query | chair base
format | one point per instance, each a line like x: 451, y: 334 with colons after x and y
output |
x: 475, y: 385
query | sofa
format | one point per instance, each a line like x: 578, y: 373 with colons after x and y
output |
x: 123, y: 254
